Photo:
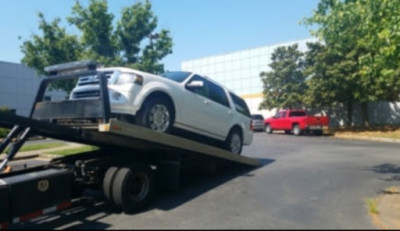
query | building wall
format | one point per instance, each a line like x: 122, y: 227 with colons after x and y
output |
x: 18, y: 87
x: 379, y: 113
x: 240, y: 71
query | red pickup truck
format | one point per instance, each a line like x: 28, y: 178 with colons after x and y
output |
x: 296, y: 121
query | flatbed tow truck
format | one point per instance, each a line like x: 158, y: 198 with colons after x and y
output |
x: 130, y: 165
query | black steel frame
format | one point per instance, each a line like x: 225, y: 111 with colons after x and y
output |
x: 21, y: 132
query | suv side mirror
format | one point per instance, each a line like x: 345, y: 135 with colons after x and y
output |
x: 196, y: 84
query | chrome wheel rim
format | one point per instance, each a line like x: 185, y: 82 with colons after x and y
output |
x: 296, y: 130
x: 236, y: 143
x: 159, y: 118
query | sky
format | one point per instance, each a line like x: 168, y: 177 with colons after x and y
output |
x: 199, y: 28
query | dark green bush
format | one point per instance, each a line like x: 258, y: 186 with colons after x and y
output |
x: 4, y: 131
x: 7, y: 110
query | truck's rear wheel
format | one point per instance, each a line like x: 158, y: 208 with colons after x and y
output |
x: 317, y: 132
x: 296, y: 130
x: 133, y: 188
x: 108, y: 182
x: 268, y: 129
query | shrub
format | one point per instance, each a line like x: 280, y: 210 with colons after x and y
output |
x: 4, y: 131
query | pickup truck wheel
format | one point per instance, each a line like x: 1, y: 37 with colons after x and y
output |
x: 156, y: 114
x: 234, y: 142
x: 268, y: 129
x: 296, y: 130
x: 133, y: 188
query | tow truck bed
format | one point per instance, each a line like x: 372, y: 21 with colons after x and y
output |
x: 120, y: 134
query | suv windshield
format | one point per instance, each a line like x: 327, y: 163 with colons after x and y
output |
x: 177, y: 76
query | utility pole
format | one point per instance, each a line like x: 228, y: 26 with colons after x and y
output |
x: 151, y: 37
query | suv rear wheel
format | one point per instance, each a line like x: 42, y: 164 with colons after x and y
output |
x: 234, y: 142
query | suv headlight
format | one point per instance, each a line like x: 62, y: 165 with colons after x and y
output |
x: 126, y: 78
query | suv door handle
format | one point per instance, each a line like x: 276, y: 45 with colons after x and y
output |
x: 206, y: 101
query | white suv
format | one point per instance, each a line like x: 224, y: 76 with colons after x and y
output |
x: 181, y: 100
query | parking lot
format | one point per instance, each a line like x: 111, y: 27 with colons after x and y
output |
x: 306, y: 182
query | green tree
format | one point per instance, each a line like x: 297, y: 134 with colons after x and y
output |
x: 52, y: 47
x: 95, y: 24
x: 284, y: 85
x: 362, y: 47
x: 329, y: 80
x: 133, y: 42
x: 137, y: 24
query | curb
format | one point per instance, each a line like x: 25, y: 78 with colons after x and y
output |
x: 24, y: 157
x: 387, y: 140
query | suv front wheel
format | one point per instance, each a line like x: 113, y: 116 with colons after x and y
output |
x: 156, y: 114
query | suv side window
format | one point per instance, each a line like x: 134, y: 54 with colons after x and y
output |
x: 240, y: 105
x: 203, y: 91
x: 217, y: 94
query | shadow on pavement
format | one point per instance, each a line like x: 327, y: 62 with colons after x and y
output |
x: 390, y: 170
x: 195, y: 185
x: 88, y: 213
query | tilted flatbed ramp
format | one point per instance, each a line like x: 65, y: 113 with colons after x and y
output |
x: 116, y: 127
x: 121, y: 134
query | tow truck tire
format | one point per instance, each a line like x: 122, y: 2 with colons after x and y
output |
x: 108, y: 180
x: 156, y: 114
x: 133, y: 188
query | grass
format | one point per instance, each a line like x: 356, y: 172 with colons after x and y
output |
x: 3, y: 132
x: 392, y: 190
x: 372, y: 205
x: 33, y: 147
x: 392, y: 132
x: 72, y: 151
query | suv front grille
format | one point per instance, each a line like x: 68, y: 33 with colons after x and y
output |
x: 86, y: 94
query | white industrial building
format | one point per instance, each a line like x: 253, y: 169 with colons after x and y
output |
x: 240, y: 71
x: 18, y: 87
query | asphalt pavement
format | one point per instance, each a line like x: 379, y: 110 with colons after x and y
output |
x: 306, y: 182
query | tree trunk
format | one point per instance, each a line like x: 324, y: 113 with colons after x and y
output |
x: 349, y: 114
x: 364, y: 112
